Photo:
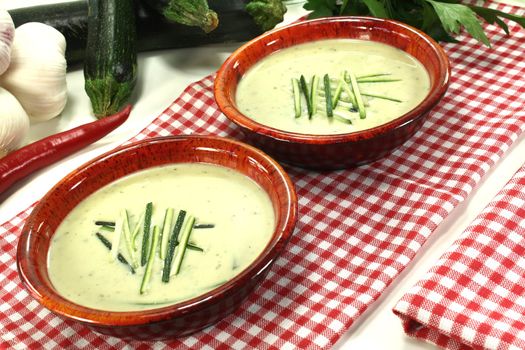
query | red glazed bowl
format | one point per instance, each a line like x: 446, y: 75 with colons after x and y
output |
x: 341, y: 150
x: 178, y: 319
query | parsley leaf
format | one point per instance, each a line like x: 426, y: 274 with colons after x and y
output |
x: 377, y: 8
x: 453, y: 16
x: 492, y: 16
x: 320, y: 8
x: 441, y: 19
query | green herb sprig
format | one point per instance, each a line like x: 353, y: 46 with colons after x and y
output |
x: 442, y: 20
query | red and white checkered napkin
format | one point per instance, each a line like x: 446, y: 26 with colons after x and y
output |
x: 358, y: 228
x: 474, y: 297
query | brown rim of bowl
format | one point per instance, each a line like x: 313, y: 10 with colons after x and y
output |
x: 50, y: 299
x: 226, y: 102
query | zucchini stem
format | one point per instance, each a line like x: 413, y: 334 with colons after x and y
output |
x: 191, y: 13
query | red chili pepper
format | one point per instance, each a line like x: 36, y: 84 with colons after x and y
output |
x: 28, y: 159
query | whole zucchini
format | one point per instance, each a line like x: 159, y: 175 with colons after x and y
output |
x: 154, y: 32
x: 110, y: 65
x: 69, y: 18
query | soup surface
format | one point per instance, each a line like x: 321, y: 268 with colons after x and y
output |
x: 390, y: 81
x: 87, y: 272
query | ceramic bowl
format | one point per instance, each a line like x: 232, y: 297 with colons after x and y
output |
x: 341, y: 150
x: 178, y: 319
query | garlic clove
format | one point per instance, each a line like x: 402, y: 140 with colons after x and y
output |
x: 14, y: 123
x: 37, y: 74
x: 7, y: 33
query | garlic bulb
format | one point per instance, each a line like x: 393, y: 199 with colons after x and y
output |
x: 7, y: 33
x: 37, y: 74
x: 14, y: 123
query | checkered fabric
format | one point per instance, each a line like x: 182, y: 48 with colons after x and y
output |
x: 357, y: 230
x: 474, y: 297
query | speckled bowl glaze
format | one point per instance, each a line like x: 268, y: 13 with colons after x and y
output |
x: 182, y: 318
x: 342, y: 150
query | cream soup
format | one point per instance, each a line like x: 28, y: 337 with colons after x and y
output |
x: 85, y: 271
x: 400, y: 81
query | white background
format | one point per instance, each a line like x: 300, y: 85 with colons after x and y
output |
x: 162, y: 77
